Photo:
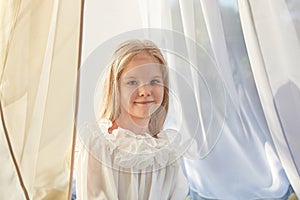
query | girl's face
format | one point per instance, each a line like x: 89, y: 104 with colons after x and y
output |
x: 141, y: 87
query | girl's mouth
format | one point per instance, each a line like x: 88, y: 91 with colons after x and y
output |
x: 143, y: 102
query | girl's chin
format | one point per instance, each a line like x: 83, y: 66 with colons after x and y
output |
x: 140, y: 116
x: 143, y: 113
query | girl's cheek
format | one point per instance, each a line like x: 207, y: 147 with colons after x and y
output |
x: 130, y: 94
x: 159, y: 90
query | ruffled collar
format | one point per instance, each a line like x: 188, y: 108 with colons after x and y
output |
x: 128, y: 150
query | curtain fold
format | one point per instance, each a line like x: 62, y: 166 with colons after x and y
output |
x: 39, y: 61
x: 240, y: 160
x: 271, y: 33
x: 9, y: 180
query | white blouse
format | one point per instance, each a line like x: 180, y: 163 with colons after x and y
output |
x: 123, y: 165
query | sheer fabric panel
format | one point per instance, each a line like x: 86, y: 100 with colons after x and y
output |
x: 244, y: 144
x: 39, y: 55
x: 272, y: 35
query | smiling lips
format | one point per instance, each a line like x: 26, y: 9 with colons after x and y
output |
x: 143, y: 102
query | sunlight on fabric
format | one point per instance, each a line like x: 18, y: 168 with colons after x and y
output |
x: 38, y: 88
x: 234, y: 90
x: 245, y: 145
x: 102, y: 21
x: 272, y: 36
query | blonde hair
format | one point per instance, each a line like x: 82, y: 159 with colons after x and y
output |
x: 110, y: 102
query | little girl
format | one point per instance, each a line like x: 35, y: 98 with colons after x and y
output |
x: 127, y: 154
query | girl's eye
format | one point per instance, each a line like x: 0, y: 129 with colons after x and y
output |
x: 155, y: 81
x: 132, y: 83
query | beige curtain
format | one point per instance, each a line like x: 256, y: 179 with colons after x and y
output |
x: 272, y: 35
x: 39, y: 61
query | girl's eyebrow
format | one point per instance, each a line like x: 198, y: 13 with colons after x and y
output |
x: 157, y: 76
x: 129, y: 77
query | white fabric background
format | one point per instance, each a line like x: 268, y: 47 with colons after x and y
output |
x: 244, y: 163
x: 39, y: 49
x: 272, y: 33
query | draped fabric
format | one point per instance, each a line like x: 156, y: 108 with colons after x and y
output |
x: 251, y: 155
x: 39, y: 59
x: 272, y: 35
x: 246, y: 76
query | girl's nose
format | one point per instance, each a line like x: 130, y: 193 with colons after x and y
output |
x: 144, y: 90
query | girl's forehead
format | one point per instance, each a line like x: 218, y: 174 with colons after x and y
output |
x: 143, y: 71
x: 142, y: 62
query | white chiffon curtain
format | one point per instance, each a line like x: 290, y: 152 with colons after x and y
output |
x: 39, y: 61
x: 272, y: 35
x: 258, y: 59
x: 254, y: 45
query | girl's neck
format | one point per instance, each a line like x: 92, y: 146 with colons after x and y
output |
x: 137, y: 125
